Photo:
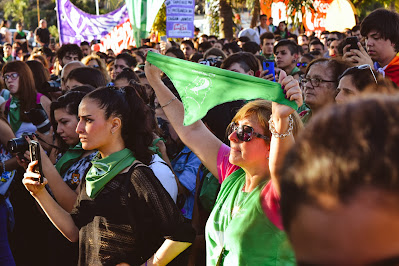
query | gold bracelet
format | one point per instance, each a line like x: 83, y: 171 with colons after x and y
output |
x: 171, y: 100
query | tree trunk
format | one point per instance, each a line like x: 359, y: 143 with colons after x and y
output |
x: 255, y: 14
x: 225, y: 20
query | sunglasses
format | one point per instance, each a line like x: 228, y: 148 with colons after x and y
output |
x: 13, y: 76
x: 361, y: 67
x: 304, y: 64
x: 244, y: 133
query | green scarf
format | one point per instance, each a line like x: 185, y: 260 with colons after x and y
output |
x: 21, y: 33
x: 103, y: 170
x: 202, y: 87
x: 15, y: 114
x: 71, y: 156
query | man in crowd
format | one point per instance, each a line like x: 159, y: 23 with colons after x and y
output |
x: 287, y: 54
x: 267, y: 43
x: 66, y: 70
x: 303, y: 41
x: 381, y: 31
x: 262, y: 28
x: 68, y: 53
x: 316, y: 45
x: 86, y: 48
x: 42, y: 34
x: 187, y: 47
x: 356, y: 32
x: 7, y: 56
x: 271, y: 26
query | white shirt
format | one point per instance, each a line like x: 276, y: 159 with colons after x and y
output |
x: 165, y: 175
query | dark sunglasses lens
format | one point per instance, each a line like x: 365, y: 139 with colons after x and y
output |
x: 298, y: 64
x: 244, y: 133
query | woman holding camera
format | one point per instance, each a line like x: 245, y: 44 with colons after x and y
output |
x: 65, y: 176
x: 7, y: 173
x: 19, y: 81
x: 122, y: 214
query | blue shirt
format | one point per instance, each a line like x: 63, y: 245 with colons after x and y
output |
x: 186, y: 166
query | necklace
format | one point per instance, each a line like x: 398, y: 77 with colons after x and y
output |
x: 239, y: 201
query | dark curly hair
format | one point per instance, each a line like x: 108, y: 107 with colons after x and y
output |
x: 69, y: 48
x: 136, y: 117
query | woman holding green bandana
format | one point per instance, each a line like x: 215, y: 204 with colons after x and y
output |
x: 244, y: 227
x: 19, y: 81
x: 122, y: 213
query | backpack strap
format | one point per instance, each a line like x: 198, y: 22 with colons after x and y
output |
x: 7, y: 108
x: 38, y: 96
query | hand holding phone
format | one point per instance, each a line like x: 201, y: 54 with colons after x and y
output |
x: 353, y: 43
x: 269, y: 66
x: 34, y: 149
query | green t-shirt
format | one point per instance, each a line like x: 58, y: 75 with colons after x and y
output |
x: 249, y: 238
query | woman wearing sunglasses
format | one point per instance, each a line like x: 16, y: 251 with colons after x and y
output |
x: 122, y: 213
x: 18, y: 79
x: 244, y: 227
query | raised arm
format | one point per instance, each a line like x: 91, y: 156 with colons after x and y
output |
x: 196, y: 136
x: 281, y: 121
x: 58, y: 216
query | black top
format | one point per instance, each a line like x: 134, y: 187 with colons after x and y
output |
x: 128, y: 220
x: 20, y: 36
x: 44, y: 35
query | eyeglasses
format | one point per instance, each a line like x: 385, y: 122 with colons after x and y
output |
x: 361, y: 67
x: 244, y: 132
x: 13, y: 76
x: 304, y: 64
x: 314, y: 81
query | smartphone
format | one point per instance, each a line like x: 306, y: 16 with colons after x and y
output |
x: 164, y: 38
x: 353, y: 42
x: 269, y: 65
x: 34, y: 149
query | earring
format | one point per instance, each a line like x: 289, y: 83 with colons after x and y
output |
x: 293, y: 61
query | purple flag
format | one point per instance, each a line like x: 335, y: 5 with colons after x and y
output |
x: 75, y: 26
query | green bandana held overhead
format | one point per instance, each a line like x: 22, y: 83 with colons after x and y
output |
x: 70, y: 157
x: 203, y: 87
x: 103, y: 170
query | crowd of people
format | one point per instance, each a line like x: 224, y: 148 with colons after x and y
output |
x: 254, y: 182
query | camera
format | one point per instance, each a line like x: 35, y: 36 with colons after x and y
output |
x: 52, y: 85
x: 213, y: 61
x: 19, y: 145
x: 39, y: 118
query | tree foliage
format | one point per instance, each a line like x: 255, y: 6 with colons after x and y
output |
x: 15, y: 9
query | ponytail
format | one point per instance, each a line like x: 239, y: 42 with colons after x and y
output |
x: 135, y: 115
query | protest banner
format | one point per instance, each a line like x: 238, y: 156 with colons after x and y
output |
x: 180, y: 18
x: 75, y: 25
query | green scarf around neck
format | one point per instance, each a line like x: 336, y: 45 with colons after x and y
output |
x: 21, y: 33
x: 15, y: 114
x: 103, y: 170
x: 71, y: 156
